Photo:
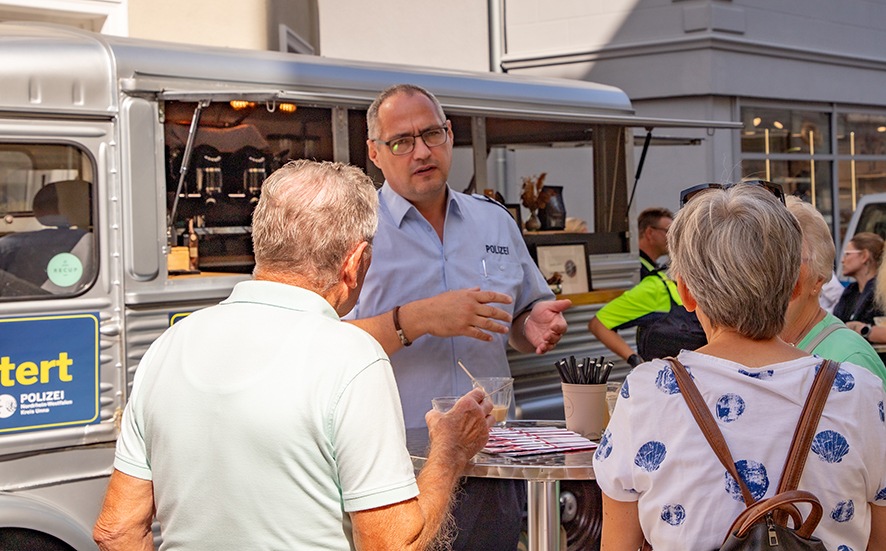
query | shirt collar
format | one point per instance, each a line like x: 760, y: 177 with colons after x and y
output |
x: 280, y: 295
x: 400, y: 207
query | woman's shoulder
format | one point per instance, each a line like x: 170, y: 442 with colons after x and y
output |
x: 852, y: 376
x: 850, y: 290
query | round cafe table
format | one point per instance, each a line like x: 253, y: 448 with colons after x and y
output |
x: 542, y: 474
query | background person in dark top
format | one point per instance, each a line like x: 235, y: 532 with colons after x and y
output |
x: 861, y: 259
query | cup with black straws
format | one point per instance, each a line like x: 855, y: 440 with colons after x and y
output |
x: 588, y: 371
x: 584, y: 394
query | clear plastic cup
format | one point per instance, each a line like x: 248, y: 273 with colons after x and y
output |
x: 501, y: 391
x: 444, y: 403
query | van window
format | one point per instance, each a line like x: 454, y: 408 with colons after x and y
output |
x: 872, y: 219
x: 236, y: 146
x: 47, y: 239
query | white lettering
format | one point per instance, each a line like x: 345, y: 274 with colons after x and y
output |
x: 35, y: 397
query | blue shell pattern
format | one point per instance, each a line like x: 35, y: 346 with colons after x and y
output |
x: 730, y: 407
x: 762, y: 375
x: 650, y: 456
x: 844, y: 381
x: 830, y: 446
x: 844, y: 511
x: 605, y: 446
x: 754, y: 476
x: 674, y: 514
x: 665, y: 380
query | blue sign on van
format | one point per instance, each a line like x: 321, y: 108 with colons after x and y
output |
x: 49, y: 371
x: 175, y: 317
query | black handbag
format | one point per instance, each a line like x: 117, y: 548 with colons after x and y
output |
x: 763, y: 524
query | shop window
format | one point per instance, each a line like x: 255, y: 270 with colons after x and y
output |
x: 47, y: 241
x: 776, y: 131
x: 861, y: 134
x: 791, y: 148
x: 802, y: 178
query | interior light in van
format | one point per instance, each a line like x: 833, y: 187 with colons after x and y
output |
x: 777, y: 124
x: 239, y: 104
x: 287, y: 107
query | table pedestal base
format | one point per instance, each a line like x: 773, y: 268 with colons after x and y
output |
x: 543, y: 497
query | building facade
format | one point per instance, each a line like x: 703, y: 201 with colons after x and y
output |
x: 804, y: 78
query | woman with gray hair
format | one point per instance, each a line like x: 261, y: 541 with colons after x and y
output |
x: 807, y: 325
x: 735, y: 254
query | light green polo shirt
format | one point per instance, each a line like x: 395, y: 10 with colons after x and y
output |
x: 844, y: 345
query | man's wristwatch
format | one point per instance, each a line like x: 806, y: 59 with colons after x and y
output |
x: 865, y: 331
x: 634, y: 360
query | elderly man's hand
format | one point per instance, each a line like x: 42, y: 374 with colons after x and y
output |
x: 462, y: 431
x: 546, y: 325
x: 465, y: 313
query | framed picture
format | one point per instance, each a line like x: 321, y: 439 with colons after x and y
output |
x: 514, y: 209
x: 565, y: 266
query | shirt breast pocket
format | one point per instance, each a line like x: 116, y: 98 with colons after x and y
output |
x: 502, y: 274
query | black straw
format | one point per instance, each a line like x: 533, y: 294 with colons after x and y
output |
x: 585, y: 372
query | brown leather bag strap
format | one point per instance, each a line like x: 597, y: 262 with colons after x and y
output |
x: 707, y: 424
x: 805, y: 431
x: 783, y: 503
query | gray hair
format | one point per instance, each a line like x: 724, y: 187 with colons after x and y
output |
x: 310, y: 217
x: 409, y: 90
x: 818, y: 245
x: 738, y: 251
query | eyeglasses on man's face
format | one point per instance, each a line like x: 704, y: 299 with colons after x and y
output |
x: 665, y: 230
x: 404, y: 145
x: 687, y: 194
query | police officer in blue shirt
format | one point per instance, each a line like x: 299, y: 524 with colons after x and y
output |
x: 451, y: 279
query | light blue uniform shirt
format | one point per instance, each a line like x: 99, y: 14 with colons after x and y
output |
x: 483, y: 247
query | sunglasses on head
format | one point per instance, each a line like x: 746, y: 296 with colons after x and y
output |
x: 775, y: 189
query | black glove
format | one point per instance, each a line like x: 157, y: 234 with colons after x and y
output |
x: 634, y: 360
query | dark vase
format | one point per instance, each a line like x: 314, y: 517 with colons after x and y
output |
x: 553, y: 215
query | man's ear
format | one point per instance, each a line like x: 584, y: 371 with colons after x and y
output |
x: 689, y: 301
x: 352, y: 267
x: 373, y: 152
x: 646, y: 232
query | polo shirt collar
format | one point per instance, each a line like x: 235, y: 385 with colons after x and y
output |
x: 280, y: 295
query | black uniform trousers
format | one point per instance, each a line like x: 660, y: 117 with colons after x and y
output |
x: 489, y: 514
